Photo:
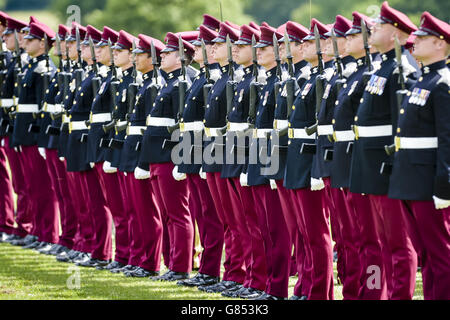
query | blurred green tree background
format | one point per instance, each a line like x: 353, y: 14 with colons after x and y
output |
x: 157, y: 17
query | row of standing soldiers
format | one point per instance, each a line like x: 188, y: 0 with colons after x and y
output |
x: 285, y: 139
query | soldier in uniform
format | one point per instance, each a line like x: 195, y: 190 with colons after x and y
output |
x: 102, y: 106
x: 15, y: 159
x: 44, y: 203
x: 47, y: 148
x: 347, y: 102
x: 296, y: 32
x: 344, y: 65
x: 145, y: 219
x: 171, y: 195
x: 214, y: 120
x: 6, y: 186
x: 201, y: 203
x: 375, y: 125
x: 241, y: 195
x: 318, y: 270
x: 421, y: 162
x: 98, y: 223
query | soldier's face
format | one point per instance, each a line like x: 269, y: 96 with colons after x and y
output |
x: 198, y: 56
x: 244, y: 55
x: 143, y: 62
x: 122, y: 57
x: 170, y: 61
x: 85, y: 53
x: 103, y: 55
x: 309, y: 51
x: 63, y: 47
x: 354, y: 45
x: 220, y: 52
x: 9, y: 41
x: 426, y: 47
x: 266, y: 56
x: 382, y: 35
x: 282, y: 50
x: 34, y: 47
x: 73, y: 55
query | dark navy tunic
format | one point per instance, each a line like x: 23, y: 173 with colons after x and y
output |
x: 420, y: 173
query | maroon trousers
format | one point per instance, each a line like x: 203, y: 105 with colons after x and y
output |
x: 17, y: 164
x: 210, y: 227
x: 318, y: 242
x: 276, y: 239
x: 145, y: 225
x: 60, y: 181
x: 399, y: 256
x: 100, y: 214
x: 6, y: 196
x: 373, y: 286
x: 85, y: 235
x: 44, y: 202
x: 344, y: 226
x: 115, y: 201
x: 433, y: 228
x: 291, y: 213
x: 172, y: 199
x: 234, y: 256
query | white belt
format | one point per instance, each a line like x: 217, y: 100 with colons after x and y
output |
x: 100, y: 117
x: 373, y: 131
x: 7, y: 103
x: 345, y: 135
x: 261, y: 133
x: 416, y: 143
x: 159, y: 122
x: 191, y: 126
x: 27, y: 108
x: 300, y: 134
x: 237, y: 126
x: 135, y: 130
x: 325, y: 130
x: 77, y: 125
x: 121, y: 123
x: 213, y: 132
x: 52, y: 108
x: 65, y: 119
x: 280, y: 124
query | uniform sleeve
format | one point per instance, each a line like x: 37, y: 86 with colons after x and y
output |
x: 441, y: 104
x: 175, y: 94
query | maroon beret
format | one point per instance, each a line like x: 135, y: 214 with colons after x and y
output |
x: 145, y: 45
x: 295, y: 31
x: 172, y: 44
x: 3, y: 18
x: 63, y: 31
x: 14, y: 24
x: 225, y: 30
x: 266, y: 38
x: 93, y: 33
x: 125, y: 41
x: 73, y: 32
x: 281, y: 29
x: 205, y: 34
x: 33, y: 19
x: 254, y: 25
x: 322, y: 28
x: 39, y: 30
x: 247, y: 33
x: 189, y: 36
x: 233, y: 25
x: 396, y: 18
x: 340, y: 26
x: 432, y: 26
x: 356, y: 24
x: 211, y: 23
x: 108, y: 34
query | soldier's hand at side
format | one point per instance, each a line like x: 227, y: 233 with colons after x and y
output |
x: 441, y: 203
x: 317, y: 184
x: 178, y: 175
x: 141, y: 174
x: 273, y: 184
x: 107, y: 168
x: 3, y: 142
x: 243, y: 179
x: 202, y: 174
x: 42, y: 153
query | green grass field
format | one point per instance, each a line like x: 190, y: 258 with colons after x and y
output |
x: 26, y: 274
